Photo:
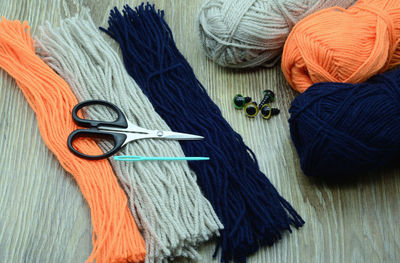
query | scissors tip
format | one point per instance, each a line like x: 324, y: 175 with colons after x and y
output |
x: 182, y: 136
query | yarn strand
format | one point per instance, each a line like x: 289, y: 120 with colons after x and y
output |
x: 250, y: 208
x: 164, y: 197
x: 115, y: 234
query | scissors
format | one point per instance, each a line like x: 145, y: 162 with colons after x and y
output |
x: 121, y: 131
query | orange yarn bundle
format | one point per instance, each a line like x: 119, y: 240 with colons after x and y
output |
x: 115, y: 234
x: 339, y: 45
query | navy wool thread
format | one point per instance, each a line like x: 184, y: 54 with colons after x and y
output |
x: 251, y: 210
x: 342, y: 129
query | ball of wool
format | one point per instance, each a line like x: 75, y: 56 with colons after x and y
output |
x: 249, y: 33
x: 339, y: 45
x: 343, y: 129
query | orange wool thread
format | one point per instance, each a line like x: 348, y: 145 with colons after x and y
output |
x: 115, y: 234
x: 339, y: 45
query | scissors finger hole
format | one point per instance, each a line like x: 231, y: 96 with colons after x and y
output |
x: 84, y: 145
x: 98, y: 112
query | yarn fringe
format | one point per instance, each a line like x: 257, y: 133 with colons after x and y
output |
x: 164, y: 197
x: 250, y: 208
x: 115, y: 234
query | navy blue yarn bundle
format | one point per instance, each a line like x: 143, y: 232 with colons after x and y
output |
x: 251, y: 210
x: 342, y: 129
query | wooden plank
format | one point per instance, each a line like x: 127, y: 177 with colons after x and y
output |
x: 45, y: 219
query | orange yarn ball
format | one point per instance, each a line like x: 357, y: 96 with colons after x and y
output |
x: 339, y: 45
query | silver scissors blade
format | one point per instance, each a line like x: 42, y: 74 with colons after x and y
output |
x: 170, y: 135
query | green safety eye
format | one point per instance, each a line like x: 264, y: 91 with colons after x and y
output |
x: 239, y: 101
x: 251, y: 109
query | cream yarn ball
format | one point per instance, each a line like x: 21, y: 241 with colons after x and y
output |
x: 250, y: 33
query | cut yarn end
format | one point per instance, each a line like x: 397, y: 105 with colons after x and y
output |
x: 164, y: 197
x: 250, y: 33
x: 342, y: 129
x: 115, y: 234
x: 251, y: 210
x: 324, y: 48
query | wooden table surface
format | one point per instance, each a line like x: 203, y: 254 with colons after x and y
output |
x: 43, y: 217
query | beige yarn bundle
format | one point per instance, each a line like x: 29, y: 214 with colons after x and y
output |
x: 165, y: 200
x: 250, y: 33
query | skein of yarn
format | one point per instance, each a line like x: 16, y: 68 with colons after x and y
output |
x: 115, y: 234
x: 251, y: 210
x: 339, y: 45
x: 342, y: 129
x: 249, y: 33
x: 165, y: 199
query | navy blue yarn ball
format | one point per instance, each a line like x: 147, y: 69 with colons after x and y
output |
x: 342, y: 129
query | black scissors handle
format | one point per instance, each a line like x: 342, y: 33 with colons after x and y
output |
x: 120, y: 122
x: 94, y: 132
x: 118, y: 139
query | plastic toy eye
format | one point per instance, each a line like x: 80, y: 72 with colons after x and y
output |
x: 269, y: 96
x: 267, y: 112
x: 251, y: 109
x: 239, y: 101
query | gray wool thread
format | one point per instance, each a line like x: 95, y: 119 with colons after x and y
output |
x: 250, y: 33
x: 165, y: 200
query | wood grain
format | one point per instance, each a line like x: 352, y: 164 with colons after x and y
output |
x: 44, y: 218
